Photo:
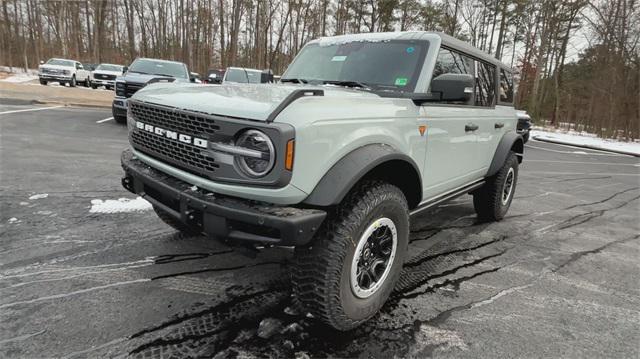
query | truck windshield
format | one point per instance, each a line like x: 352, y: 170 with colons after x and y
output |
x: 162, y: 68
x: 107, y: 67
x: 59, y: 62
x: 243, y: 76
x: 389, y: 65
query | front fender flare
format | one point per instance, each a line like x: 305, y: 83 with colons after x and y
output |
x: 343, y: 175
x: 510, y: 140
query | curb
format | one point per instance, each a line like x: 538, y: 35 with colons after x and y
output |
x: 69, y: 104
x: 620, y: 152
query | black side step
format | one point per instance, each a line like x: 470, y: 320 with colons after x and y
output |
x: 446, y: 197
x: 290, y: 98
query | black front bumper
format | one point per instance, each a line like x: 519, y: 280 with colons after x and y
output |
x: 217, y: 215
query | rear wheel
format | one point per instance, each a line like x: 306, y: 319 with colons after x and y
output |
x: 94, y: 86
x: 350, y: 269
x: 43, y: 82
x: 492, y: 201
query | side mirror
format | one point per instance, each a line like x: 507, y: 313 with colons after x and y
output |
x: 125, y: 69
x: 453, y: 87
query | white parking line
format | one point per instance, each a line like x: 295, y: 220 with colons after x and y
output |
x: 587, y: 163
x: 30, y: 109
x: 105, y: 120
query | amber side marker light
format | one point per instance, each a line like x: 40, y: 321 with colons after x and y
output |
x: 288, y: 160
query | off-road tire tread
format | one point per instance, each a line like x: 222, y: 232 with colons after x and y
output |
x: 487, y: 199
x: 317, y: 270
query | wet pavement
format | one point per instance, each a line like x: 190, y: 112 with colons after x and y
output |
x: 559, y: 276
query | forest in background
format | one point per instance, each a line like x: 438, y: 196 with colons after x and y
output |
x: 597, y: 89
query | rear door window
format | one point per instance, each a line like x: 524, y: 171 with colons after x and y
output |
x: 506, y: 86
x: 485, y: 84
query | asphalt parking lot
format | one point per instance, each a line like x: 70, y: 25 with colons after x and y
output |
x: 559, y: 277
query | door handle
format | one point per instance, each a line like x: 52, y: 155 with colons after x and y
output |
x: 498, y: 125
x: 470, y: 127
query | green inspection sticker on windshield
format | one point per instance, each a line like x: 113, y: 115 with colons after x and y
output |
x: 401, y: 81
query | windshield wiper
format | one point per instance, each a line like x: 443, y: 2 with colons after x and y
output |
x: 348, y: 84
x: 294, y: 80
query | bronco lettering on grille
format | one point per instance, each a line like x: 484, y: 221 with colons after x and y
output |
x: 172, y: 135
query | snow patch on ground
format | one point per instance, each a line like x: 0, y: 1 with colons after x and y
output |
x: 39, y: 196
x: 121, y: 205
x: 13, y: 220
x: 586, y: 139
x: 18, y: 78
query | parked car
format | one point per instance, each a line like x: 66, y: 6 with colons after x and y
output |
x: 105, y: 75
x: 247, y: 76
x: 142, y: 72
x: 89, y: 67
x: 362, y: 133
x: 215, y: 76
x: 63, y: 71
x: 524, y: 124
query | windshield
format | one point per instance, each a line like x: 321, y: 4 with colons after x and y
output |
x: 243, y: 76
x: 107, y: 67
x: 391, y: 65
x: 60, y: 62
x: 151, y: 67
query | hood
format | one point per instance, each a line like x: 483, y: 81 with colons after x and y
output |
x: 55, y: 67
x: 144, y: 78
x: 250, y: 101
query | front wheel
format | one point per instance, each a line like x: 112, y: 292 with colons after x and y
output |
x: 492, y: 201
x: 43, y: 82
x: 72, y: 83
x: 349, y: 270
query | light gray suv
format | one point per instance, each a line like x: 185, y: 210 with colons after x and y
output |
x: 362, y: 132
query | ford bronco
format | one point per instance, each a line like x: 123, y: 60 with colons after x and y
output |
x: 143, y: 72
x: 362, y: 132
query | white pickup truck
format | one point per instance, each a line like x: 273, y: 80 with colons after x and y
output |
x: 64, y: 72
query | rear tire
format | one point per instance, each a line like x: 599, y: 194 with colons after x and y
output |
x: 492, y: 201
x: 168, y: 219
x: 93, y: 86
x: 43, y: 82
x: 349, y: 270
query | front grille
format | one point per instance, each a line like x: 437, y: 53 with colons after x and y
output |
x: 131, y: 88
x: 51, y: 71
x: 104, y: 77
x: 186, y: 123
x: 183, y: 155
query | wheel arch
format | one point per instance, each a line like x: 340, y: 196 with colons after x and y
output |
x: 510, y: 141
x: 370, y: 162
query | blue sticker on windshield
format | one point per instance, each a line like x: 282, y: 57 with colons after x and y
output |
x: 410, y: 49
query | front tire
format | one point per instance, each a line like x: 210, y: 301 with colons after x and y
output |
x: 73, y: 83
x: 120, y: 119
x: 43, y: 82
x: 349, y: 270
x: 492, y: 201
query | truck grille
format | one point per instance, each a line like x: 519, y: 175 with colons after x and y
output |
x: 51, y: 71
x: 131, y: 88
x: 104, y: 77
x: 183, y: 155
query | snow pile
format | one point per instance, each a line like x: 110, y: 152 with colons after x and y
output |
x: 39, y: 196
x: 121, y: 205
x: 586, y: 140
x: 18, y: 78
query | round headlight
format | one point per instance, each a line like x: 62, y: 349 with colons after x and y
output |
x: 260, y: 156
